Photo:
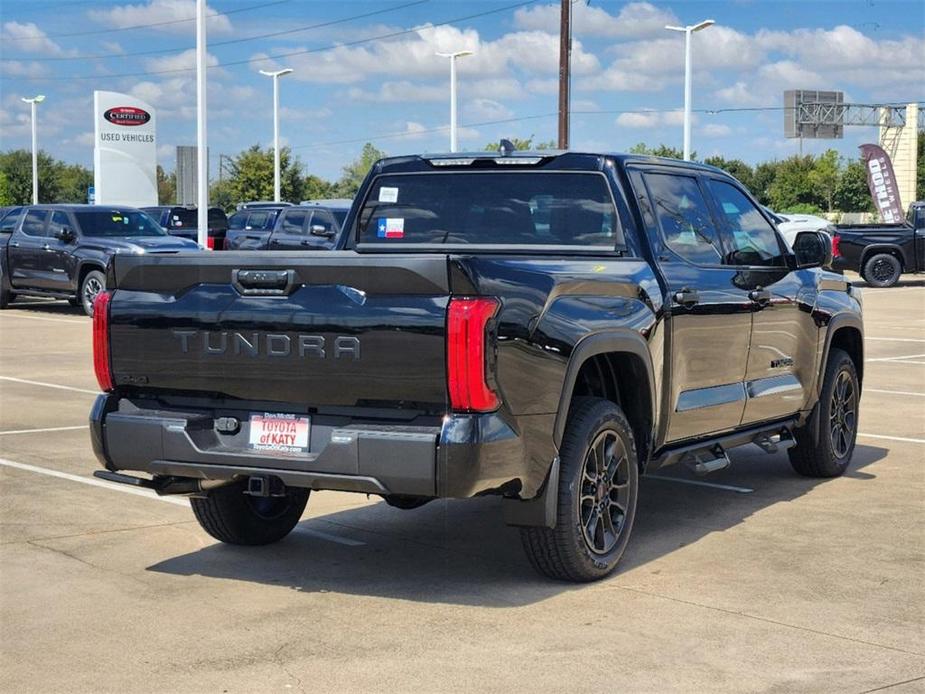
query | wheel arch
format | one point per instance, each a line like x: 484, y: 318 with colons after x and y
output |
x: 846, y: 332
x: 617, y: 366
x: 83, y: 269
x: 889, y: 249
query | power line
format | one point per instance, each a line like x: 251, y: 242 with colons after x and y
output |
x: 91, y: 32
x: 214, y: 44
x: 289, y: 54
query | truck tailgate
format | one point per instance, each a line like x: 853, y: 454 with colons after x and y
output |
x: 332, y: 329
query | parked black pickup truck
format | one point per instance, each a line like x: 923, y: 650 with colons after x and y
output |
x: 61, y: 251
x: 541, y: 326
x: 306, y: 227
x: 882, y: 252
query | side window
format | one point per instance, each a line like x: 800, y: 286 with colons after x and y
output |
x: 59, y: 220
x: 257, y: 220
x: 323, y: 218
x: 293, y: 222
x: 684, y: 217
x: 8, y: 223
x: 34, y: 223
x: 752, y: 240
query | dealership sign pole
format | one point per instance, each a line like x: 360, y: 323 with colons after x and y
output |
x: 35, y: 152
x: 202, y: 157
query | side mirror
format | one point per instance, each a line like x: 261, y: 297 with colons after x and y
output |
x: 319, y: 230
x: 65, y: 234
x: 812, y: 249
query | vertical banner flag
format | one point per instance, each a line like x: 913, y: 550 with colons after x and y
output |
x: 124, y: 151
x: 882, y: 183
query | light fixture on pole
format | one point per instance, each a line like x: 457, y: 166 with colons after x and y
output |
x: 687, y: 31
x: 35, y: 150
x: 453, y: 57
x: 202, y: 147
x: 276, y: 75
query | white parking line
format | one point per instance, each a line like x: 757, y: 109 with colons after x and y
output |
x: 48, y: 385
x: 42, y: 431
x: 726, y: 487
x: 899, y: 358
x: 894, y: 392
x: 126, y: 489
x: 54, y: 320
x: 891, y: 438
x: 895, y: 339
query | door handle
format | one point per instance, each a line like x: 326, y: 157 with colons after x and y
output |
x: 687, y: 297
x: 46, y: 247
x: 305, y: 242
x: 760, y: 296
x: 14, y: 244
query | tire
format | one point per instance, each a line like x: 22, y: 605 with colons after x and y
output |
x: 882, y: 270
x: 6, y: 298
x: 93, y: 283
x: 584, y: 546
x: 825, y: 446
x: 74, y: 301
x: 233, y: 517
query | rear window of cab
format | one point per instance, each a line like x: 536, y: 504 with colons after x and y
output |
x: 548, y: 208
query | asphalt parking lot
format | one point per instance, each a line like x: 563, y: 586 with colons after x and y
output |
x: 796, y: 585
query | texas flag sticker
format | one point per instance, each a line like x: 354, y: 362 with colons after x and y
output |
x: 390, y: 227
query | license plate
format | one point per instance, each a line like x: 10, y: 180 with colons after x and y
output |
x: 282, y: 433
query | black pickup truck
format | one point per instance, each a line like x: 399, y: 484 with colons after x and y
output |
x: 545, y: 327
x: 306, y: 227
x: 880, y: 253
x: 61, y: 251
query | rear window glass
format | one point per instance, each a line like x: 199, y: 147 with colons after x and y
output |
x: 510, y: 208
x: 183, y: 218
x: 115, y: 222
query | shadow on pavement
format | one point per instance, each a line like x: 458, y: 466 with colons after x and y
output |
x: 45, y: 307
x: 460, y: 552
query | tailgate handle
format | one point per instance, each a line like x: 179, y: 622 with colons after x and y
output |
x: 264, y: 282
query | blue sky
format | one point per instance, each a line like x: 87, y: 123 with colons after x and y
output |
x: 350, y: 85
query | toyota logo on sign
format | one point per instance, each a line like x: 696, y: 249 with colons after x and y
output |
x: 127, y: 115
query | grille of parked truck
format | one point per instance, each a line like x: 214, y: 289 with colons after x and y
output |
x: 541, y: 326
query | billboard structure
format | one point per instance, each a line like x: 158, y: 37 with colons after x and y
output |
x: 814, y: 114
x: 124, y: 150
x: 188, y: 174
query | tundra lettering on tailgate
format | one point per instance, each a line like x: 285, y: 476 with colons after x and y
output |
x: 257, y: 344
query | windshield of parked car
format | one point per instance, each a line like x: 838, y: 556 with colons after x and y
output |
x: 560, y: 208
x: 117, y: 222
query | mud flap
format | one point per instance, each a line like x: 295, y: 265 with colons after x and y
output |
x: 539, y: 511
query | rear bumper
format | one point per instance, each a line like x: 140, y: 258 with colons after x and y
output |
x: 463, y: 456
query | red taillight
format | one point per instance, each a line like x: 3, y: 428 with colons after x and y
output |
x: 467, y: 320
x: 210, y: 243
x: 836, y: 239
x: 101, y: 365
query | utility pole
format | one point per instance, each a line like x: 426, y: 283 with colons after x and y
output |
x: 33, y: 102
x: 565, y: 56
x: 454, y: 144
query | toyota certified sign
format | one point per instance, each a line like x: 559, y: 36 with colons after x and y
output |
x: 127, y: 115
x: 125, y: 152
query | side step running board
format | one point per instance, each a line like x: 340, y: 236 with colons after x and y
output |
x: 709, y: 456
x: 707, y: 460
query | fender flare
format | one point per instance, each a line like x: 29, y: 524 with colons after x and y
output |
x: 619, y: 340
x: 837, y: 322
x: 82, y: 265
x: 888, y: 248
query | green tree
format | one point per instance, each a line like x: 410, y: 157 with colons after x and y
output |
x: 736, y: 167
x: 6, y: 197
x: 221, y: 194
x: 793, y: 185
x: 852, y: 193
x: 659, y: 151
x: 316, y: 188
x: 16, y: 164
x: 762, y: 178
x: 355, y: 171
x: 824, y: 177
x: 167, y: 187
x: 73, y: 182
x: 521, y: 145
x: 252, y: 175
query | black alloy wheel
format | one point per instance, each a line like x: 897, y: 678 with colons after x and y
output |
x: 90, y: 288
x: 604, y: 492
x: 843, y: 414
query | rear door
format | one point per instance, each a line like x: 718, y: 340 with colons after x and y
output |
x: 782, y: 354
x: 322, y: 230
x: 57, y: 252
x: 27, y: 254
x: 291, y: 230
x: 709, y: 312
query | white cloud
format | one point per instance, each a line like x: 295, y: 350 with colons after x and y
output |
x: 715, y: 130
x: 486, y: 110
x: 18, y: 68
x: 166, y: 13
x: 652, y: 119
x: 28, y: 38
x: 179, y: 61
x: 635, y: 20
x: 399, y: 92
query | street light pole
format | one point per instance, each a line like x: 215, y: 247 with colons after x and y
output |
x: 276, y: 75
x: 35, y: 150
x: 688, y: 30
x: 202, y: 148
x: 453, y: 57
